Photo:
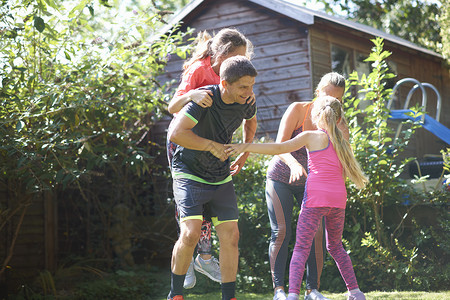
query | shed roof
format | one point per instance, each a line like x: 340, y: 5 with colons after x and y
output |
x: 307, y: 16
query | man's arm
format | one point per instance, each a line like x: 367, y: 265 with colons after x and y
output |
x: 248, y: 134
x: 182, y: 134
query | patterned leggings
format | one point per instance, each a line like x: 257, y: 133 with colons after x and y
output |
x: 308, y: 223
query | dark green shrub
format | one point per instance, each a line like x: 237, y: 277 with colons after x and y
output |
x: 254, y: 270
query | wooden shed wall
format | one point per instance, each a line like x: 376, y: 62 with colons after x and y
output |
x: 281, y: 56
x: 410, y: 63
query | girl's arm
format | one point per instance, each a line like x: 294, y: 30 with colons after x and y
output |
x: 201, y: 97
x: 272, y: 148
x: 192, y: 79
x: 182, y: 134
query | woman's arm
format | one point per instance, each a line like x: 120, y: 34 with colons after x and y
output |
x: 290, y: 121
x: 342, y: 125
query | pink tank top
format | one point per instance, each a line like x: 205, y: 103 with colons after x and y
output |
x: 325, y: 185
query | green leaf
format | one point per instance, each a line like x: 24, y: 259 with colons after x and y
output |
x: 20, y: 125
x: 52, y: 4
x: 39, y: 23
x: 67, y: 55
x: 91, y: 10
x: 78, y: 8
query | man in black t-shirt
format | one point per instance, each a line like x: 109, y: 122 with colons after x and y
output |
x: 201, y: 170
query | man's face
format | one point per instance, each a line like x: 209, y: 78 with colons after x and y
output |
x: 240, y: 90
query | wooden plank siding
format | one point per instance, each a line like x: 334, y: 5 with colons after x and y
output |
x: 320, y: 54
x: 281, y: 56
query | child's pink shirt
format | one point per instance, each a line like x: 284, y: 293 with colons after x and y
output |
x: 199, y: 74
x: 325, y: 185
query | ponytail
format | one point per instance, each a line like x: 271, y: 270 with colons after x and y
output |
x: 202, y: 49
x: 326, y: 113
x: 224, y: 42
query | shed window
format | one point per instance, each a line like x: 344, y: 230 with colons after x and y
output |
x: 345, y: 60
x: 341, y: 60
x: 361, y: 66
x: 364, y: 67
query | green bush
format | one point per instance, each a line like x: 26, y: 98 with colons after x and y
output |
x: 79, y: 97
x: 254, y: 269
x: 380, y: 242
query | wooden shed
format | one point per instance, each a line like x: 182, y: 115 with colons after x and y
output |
x: 295, y: 46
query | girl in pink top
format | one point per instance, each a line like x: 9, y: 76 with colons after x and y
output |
x: 330, y: 161
x: 200, y: 70
x: 325, y: 186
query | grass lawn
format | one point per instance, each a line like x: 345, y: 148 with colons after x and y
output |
x: 332, y: 296
x: 204, y: 287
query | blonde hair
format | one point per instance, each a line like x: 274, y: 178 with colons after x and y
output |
x: 326, y: 113
x: 224, y: 42
x: 332, y: 78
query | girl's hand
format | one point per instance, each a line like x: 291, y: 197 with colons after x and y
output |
x: 201, y: 97
x: 219, y: 151
x: 232, y: 149
x: 251, y: 99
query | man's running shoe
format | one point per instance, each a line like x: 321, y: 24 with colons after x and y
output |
x: 190, y: 279
x: 279, y: 295
x: 209, y: 268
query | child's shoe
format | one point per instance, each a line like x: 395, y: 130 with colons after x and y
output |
x: 356, y: 296
x: 292, y: 296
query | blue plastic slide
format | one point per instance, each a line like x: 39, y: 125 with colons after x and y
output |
x: 429, y: 124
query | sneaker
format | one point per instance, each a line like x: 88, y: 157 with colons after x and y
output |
x: 209, y: 268
x: 177, y: 297
x: 190, y: 279
x: 315, y: 295
x: 292, y: 296
x: 356, y: 296
x: 279, y: 295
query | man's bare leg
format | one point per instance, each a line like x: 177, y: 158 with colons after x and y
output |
x: 228, y: 233
x: 185, y: 245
